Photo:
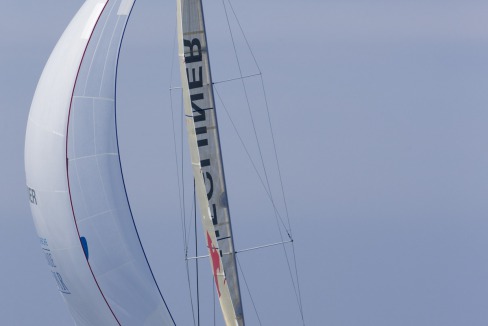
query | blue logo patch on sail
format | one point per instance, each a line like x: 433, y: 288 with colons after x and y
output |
x: 84, y: 244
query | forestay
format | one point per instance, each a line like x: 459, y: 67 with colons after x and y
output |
x: 75, y: 181
x: 206, y: 156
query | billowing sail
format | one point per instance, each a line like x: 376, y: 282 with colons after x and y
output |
x: 75, y: 182
x: 206, y: 156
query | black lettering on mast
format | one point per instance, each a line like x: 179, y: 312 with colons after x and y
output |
x: 204, y: 163
x: 210, y: 191
x: 214, y: 216
x: 198, y: 113
x: 194, y: 74
x: 191, y: 44
x: 192, y: 83
x: 201, y: 130
x: 202, y: 142
x: 199, y: 116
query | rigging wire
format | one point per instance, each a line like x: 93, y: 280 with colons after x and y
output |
x: 265, y: 183
x: 181, y: 198
x: 276, y: 159
x: 182, y: 210
x: 233, y: 79
x: 189, y: 288
x: 248, y: 290
x: 246, y: 96
x: 276, y: 211
x: 260, y: 74
x: 244, y: 250
x: 277, y: 216
x: 254, y: 125
x: 214, y: 298
x: 296, y: 278
x: 196, y: 250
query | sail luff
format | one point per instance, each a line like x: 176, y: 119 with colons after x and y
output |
x: 206, y: 158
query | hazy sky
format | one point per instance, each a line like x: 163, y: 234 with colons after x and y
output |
x: 380, y: 111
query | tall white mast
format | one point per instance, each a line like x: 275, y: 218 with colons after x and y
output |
x: 205, y: 152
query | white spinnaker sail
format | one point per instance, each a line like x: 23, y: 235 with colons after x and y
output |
x: 206, y: 156
x: 75, y: 182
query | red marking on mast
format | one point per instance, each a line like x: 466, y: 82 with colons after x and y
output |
x: 214, y: 255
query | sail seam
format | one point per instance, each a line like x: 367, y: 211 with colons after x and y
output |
x: 67, y: 165
x: 95, y: 98
x: 91, y: 156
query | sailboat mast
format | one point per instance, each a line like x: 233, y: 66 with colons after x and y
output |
x: 206, y: 157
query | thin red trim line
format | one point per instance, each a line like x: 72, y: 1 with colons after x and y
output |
x: 67, y: 173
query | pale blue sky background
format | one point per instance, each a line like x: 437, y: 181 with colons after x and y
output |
x: 381, y: 112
